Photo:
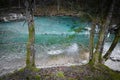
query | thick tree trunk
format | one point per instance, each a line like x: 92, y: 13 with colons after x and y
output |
x: 106, y: 26
x: 97, y: 57
x: 98, y: 53
x: 30, y: 59
x: 113, y: 45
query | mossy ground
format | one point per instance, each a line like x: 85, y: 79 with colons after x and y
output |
x: 85, y: 72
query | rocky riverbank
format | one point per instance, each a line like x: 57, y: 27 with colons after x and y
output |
x: 11, y: 17
x: 15, y: 14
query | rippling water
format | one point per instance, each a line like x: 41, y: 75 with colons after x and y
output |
x: 56, y: 43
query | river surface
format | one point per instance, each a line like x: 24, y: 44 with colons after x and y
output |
x: 57, y: 43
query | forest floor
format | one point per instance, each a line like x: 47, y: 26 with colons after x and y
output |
x: 84, y: 72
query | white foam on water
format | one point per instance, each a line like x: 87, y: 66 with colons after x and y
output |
x: 15, y: 60
x: 55, y: 52
x: 74, y: 48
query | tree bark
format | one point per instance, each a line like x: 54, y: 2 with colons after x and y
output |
x: 30, y: 58
x: 97, y: 53
x: 91, y: 44
x: 107, y: 24
x: 102, y: 36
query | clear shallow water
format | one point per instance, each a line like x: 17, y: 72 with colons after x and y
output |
x: 51, y: 33
x: 56, y: 42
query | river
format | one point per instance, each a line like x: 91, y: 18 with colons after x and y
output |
x: 56, y: 43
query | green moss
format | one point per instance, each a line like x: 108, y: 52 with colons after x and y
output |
x: 105, y: 73
x: 32, y: 69
x: 60, y: 74
x: 37, y: 77
x: 114, y: 75
x: 90, y: 63
x: 73, y: 66
x: 31, y: 31
x: 72, y: 79
x: 98, y: 72
x: 27, y: 60
x: 35, y: 69
x: 95, y: 78
x: 28, y: 54
x: 22, y: 69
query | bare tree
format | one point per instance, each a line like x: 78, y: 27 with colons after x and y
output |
x: 30, y: 58
x: 96, y: 57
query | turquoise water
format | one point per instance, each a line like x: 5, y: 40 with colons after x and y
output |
x: 55, y: 36
x: 48, y: 30
x: 57, y: 31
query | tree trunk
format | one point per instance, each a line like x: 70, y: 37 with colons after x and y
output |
x: 91, y: 44
x: 30, y: 59
x: 113, y: 45
x: 98, y: 54
x: 107, y: 24
x: 97, y: 57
